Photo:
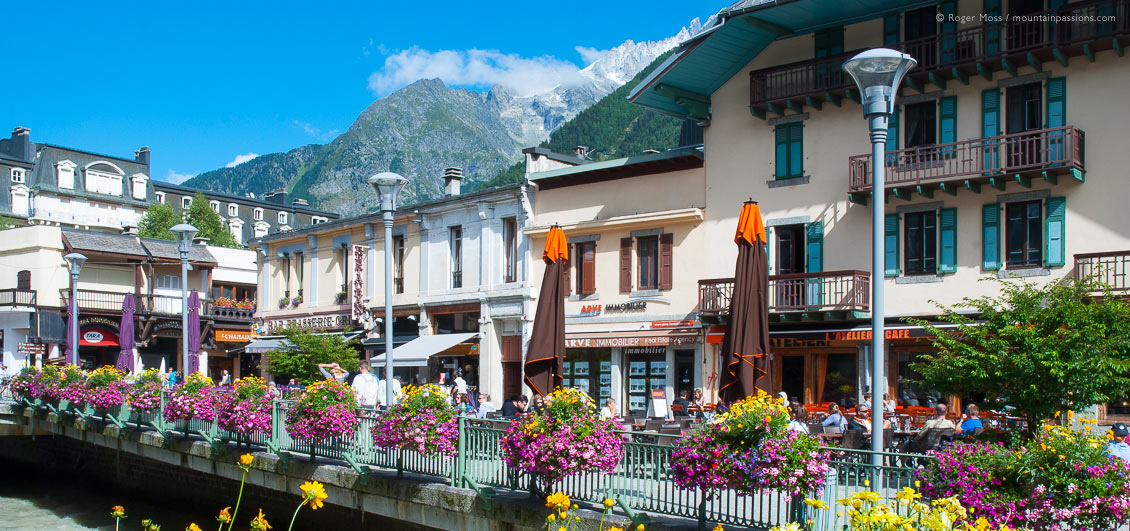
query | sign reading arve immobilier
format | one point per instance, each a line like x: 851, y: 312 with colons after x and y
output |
x: 646, y: 341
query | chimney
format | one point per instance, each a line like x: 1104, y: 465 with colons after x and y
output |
x: 142, y: 155
x: 130, y: 230
x: 276, y: 196
x: 580, y: 151
x: 301, y: 202
x: 21, y: 144
x: 452, y: 177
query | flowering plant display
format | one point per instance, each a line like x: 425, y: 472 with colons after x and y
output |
x: 563, y: 514
x: 229, y: 302
x: 62, y: 384
x: 283, y: 301
x: 104, y: 388
x: 750, y: 450
x: 325, y: 409
x: 425, y: 422
x: 296, y: 300
x: 567, y: 437
x: 144, y: 394
x: 28, y: 384
x: 1061, y: 480
x: 866, y: 511
x: 246, y: 407
x: 194, y: 399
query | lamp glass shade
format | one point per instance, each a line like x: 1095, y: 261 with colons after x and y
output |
x: 878, y: 73
x: 388, y: 186
x: 184, y: 233
x: 75, y: 260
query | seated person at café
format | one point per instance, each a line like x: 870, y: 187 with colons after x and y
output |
x: 866, y: 401
x: 835, y: 418
x: 970, y: 422
x: 698, y: 401
x: 921, y: 442
x: 862, y: 420
x: 609, y: 409
x: 515, y: 406
x: 797, y: 415
x: 1118, y: 447
x: 485, y: 406
x: 681, y: 401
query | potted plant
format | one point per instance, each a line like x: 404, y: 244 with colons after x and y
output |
x: 567, y: 437
x: 424, y: 422
x: 283, y: 302
x: 193, y: 399
x: 324, y: 410
x: 246, y: 408
x: 296, y: 300
x: 340, y: 298
x: 144, y: 394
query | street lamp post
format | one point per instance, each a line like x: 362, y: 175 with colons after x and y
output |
x: 185, y: 233
x: 878, y: 74
x: 75, y: 260
x: 388, y: 186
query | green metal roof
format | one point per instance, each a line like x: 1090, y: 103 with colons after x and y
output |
x: 683, y: 84
x: 647, y: 160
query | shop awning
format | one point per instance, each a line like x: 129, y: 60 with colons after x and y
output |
x: 264, y: 344
x: 415, y: 353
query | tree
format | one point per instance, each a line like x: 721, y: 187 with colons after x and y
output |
x: 157, y: 221
x: 303, y: 351
x: 5, y: 223
x: 208, y: 222
x: 1039, y: 349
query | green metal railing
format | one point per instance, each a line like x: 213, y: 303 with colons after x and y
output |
x: 641, y: 484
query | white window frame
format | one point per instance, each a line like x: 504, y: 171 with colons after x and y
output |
x: 283, y: 218
x: 185, y: 202
x: 65, y: 174
x: 170, y: 282
x: 233, y: 210
x: 160, y: 197
x: 258, y: 214
x: 103, y: 181
x: 214, y: 205
x: 19, y: 175
x: 138, y: 186
x: 261, y: 229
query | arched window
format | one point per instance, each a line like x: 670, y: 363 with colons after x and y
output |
x: 103, y: 178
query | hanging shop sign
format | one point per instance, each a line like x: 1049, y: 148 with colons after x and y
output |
x: 313, y: 322
x: 31, y: 349
x: 233, y: 336
x: 99, y: 337
x: 687, y: 323
x: 94, y: 320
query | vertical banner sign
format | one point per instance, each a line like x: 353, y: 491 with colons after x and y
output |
x: 358, y: 282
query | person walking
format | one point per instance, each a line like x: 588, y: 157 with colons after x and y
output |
x: 395, y: 391
x: 365, y: 387
x: 225, y: 378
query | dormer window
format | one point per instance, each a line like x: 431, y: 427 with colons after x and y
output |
x: 160, y: 197
x: 283, y: 218
x: 104, y: 178
x: 185, y: 202
x: 258, y: 214
x: 233, y: 210
x: 65, y: 174
x: 139, y: 181
x: 215, y: 206
x: 18, y: 175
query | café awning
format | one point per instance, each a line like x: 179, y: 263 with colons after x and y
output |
x: 415, y: 353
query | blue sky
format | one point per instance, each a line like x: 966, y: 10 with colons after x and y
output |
x: 204, y: 83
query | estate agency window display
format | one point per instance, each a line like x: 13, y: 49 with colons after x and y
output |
x: 590, y: 370
x: 647, y: 370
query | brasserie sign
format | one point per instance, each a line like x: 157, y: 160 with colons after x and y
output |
x: 313, y: 322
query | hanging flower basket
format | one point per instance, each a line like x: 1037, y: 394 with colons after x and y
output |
x: 144, y: 394
x: 423, y: 422
x: 324, y: 410
x: 194, y: 399
x: 246, y: 408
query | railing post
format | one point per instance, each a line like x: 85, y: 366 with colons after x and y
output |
x: 826, y: 518
x: 461, y: 453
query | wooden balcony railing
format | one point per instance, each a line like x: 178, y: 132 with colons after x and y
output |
x: 1057, y: 150
x: 1110, y: 268
x: 1081, y: 29
x: 17, y: 297
x: 830, y: 291
x: 109, y: 301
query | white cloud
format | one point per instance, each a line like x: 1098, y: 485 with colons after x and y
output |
x: 177, y: 178
x: 240, y: 159
x: 523, y: 75
x: 316, y: 132
x: 589, y: 55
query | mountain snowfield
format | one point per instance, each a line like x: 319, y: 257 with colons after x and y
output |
x: 426, y: 126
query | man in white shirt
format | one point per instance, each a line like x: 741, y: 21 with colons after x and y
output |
x: 365, y: 386
x: 395, y: 391
x: 460, y: 384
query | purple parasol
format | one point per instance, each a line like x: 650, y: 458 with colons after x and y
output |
x: 125, y: 336
x: 71, y: 354
x: 193, y: 333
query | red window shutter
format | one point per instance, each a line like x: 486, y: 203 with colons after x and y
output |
x: 625, y: 265
x: 569, y: 273
x: 666, y: 245
x: 588, y: 268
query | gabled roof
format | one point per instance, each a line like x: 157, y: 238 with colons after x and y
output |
x: 647, y: 164
x: 553, y: 155
x: 102, y: 242
x: 167, y: 250
x: 683, y: 84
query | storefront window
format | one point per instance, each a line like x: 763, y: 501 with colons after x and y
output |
x: 839, y: 379
x: 590, y: 370
x: 647, y: 370
x: 910, y: 391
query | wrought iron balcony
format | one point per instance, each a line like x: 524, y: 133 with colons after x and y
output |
x: 813, y: 296
x: 1110, y: 268
x: 232, y: 314
x: 17, y: 297
x: 1043, y: 153
x: 958, y: 55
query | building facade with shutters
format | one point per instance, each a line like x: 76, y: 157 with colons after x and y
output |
x: 1003, y: 161
x: 636, y: 235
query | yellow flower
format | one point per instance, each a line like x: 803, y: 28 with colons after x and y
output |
x: 192, y: 527
x: 717, y: 527
x: 314, y: 494
x: 551, y: 518
x: 575, y: 507
x: 609, y: 502
x: 615, y: 529
x: 117, y: 511
x: 557, y: 500
x: 639, y: 527
x: 819, y: 504
x: 245, y: 461
x: 225, y: 515
x: 259, y: 523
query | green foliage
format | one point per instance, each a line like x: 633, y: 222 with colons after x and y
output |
x: 157, y: 221
x: 5, y: 223
x: 1039, y: 349
x: 303, y: 351
x: 208, y: 222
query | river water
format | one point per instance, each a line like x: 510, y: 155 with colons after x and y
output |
x: 32, y: 501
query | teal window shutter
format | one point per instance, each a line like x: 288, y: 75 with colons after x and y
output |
x: 1054, y: 233
x: 990, y: 127
x: 991, y: 237
x: 1056, y: 111
x: 893, y: 133
x: 992, y: 11
x: 890, y: 30
x: 789, y: 139
x: 947, y: 240
x: 947, y: 124
x: 947, y: 10
x: 891, y: 245
x: 781, y: 161
x: 814, y: 242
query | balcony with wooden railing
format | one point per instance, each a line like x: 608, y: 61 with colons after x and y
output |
x: 1080, y: 29
x: 1019, y: 157
x: 166, y: 305
x: 16, y: 297
x: 1111, y: 269
x: 831, y: 295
